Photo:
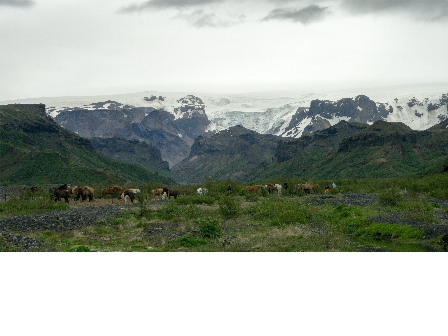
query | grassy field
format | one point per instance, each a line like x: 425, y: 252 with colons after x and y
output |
x: 261, y: 222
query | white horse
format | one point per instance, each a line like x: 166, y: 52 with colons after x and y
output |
x: 202, y: 191
x: 127, y: 198
x: 279, y: 188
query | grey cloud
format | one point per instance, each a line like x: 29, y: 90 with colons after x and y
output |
x: 161, y: 4
x: 17, y: 3
x: 424, y: 9
x: 305, y: 15
x: 201, y: 19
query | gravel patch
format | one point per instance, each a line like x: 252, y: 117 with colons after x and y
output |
x: 25, y: 244
x: 64, y: 220
x: 348, y: 199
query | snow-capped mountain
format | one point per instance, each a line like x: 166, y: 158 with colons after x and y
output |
x: 288, y: 114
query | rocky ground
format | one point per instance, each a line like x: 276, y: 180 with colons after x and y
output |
x: 22, y: 243
x: 70, y: 219
x: 349, y: 199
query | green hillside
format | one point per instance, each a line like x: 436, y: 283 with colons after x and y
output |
x: 349, y: 150
x: 230, y: 154
x: 36, y: 150
x: 134, y: 152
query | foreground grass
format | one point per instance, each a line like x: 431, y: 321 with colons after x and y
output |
x: 262, y: 222
x: 271, y: 224
x: 27, y: 204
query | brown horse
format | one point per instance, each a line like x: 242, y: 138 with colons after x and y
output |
x: 306, y: 187
x: 157, y: 192
x: 87, y: 192
x: 253, y: 188
x: 107, y: 191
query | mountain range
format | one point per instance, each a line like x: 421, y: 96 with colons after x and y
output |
x: 191, y: 129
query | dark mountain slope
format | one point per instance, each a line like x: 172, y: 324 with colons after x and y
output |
x: 380, y: 150
x: 36, y: 150
x: 131, y: 151
x: 228, y: 154
x: 298, y: 156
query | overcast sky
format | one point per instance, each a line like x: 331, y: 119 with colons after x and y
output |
x: 89, y: 47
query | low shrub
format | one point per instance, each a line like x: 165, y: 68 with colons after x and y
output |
x: 186, y: 241
x: 349, y: 218
x: 170, y: 211
x: 389, y: 231
x: 252, y: 197
x: 210, y: 228
x: 389, y: 197
x: 229, y: 206
x: 209, y: 200
x: 192, y: 211
x: 80, y: 249
x: 420, y: 205
x: 279, y: 211
x: 264, y: 192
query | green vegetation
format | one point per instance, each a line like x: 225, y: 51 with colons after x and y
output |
x: 229, y: 206
x: 210, y: 228
x: 35, y: 150
x: 26, y: 203
x: 268, y: 222
x: 195, y: 200
x: 390, y: 231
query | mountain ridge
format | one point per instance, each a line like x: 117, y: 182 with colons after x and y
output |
x: 34, y: 149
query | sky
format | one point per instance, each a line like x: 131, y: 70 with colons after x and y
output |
x: 89, y: 47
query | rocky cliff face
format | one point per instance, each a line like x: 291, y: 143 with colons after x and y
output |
x: 131, y: 151
x: 172, y: 133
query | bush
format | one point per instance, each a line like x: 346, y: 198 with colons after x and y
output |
x: 186, y: 241
x: 229, y: 206
x: 80, y: 249
x: 252, y: 197
x: 280, y: 211
x: 389, y: 197
x: 195, y: 200
x: 419, y: 205
x: 210, y: 228
x: 170, y: 211
x: 389, y: 231
x: 264, y: 192
x: 192, y: 211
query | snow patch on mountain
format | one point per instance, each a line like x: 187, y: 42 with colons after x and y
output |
x: 279, y: 113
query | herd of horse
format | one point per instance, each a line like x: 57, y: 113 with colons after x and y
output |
x: 305, y: 187
x: 65, y: 192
